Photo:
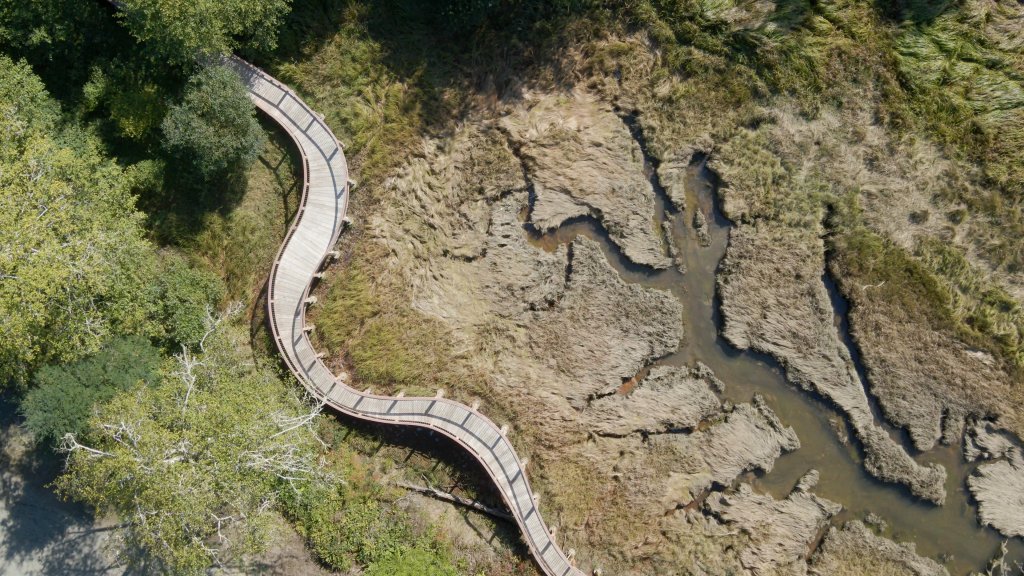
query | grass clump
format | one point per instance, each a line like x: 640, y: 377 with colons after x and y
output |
x: 934, y: 285
x: 965, y: 80
x: 987, y: 316
x: 366, y: 316
x: 425, y: 558
x: 866, y: 259
x: 953, y: 73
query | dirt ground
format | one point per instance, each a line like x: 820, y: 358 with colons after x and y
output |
x: 39, y: 533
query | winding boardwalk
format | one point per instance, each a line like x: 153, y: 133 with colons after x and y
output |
x: 307, y: 247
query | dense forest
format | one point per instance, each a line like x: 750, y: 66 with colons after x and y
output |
x: 143, y: 199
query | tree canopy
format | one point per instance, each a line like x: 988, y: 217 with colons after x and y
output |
x: 214, y: 128
x: 193, y: 463
x: 183, y: 31
x: 75, y: 266
x: 186, y: 297
x: 58, y: 37
x: 63, y: 397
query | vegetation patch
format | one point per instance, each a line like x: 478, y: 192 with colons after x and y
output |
x: 63, y: 395
x: 190, y: 465
x: 987, y: 316
x: 239, y: 242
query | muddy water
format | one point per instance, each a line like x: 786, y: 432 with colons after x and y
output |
x: 949, y: 533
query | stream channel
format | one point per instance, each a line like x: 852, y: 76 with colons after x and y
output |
x: 950, y: 533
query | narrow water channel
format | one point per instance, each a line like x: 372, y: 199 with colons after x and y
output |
x: 949, y: 533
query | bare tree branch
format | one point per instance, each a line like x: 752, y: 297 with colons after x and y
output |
x: 69, y: 444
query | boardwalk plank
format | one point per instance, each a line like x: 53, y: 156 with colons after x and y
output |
x: 311, y: 237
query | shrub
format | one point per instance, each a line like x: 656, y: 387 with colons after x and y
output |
x: 186, y: 294
x: 347, y: 526
x: 213, y: 131
x: 419, y: 560
x: 64, y: 396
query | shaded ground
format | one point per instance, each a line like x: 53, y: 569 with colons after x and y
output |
x: 39, y: 533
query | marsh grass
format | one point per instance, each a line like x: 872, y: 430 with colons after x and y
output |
x: 708, y: 73
x: 366, y: 320
x: 866, y: 259
x: 949, y: 73
x: 985, y: 314
x: 388, y: 345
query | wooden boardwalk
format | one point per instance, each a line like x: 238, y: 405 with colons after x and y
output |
x: 303, y: 254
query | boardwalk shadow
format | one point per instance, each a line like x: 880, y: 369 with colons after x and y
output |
x: 425, y: 452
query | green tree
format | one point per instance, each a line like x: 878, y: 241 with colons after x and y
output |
x: 134, y: 102
x: 186, y: 297
x: 75, y: 266
x: 193, y: 464
x: 23, y: 97
x: 214, y: 129
x: 64, y: 395
x: 183, y: 31
x: 60, y: 38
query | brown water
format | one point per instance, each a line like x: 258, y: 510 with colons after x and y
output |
x: 949, y: 533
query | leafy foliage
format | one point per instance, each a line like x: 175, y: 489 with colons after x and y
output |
x: 59, y: 38
x: 352, y: 524
x: 134, y: 103
x: 64, y: 395
x: 186, y: 296
x: 74, y: 265
x: 183, y: 31
x: 345, y: 527
x: 419, y: 560
x: 24, y: 97
x: 192, y: 464
x: 214, y: 129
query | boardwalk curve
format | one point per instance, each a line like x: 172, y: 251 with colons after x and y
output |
x: 306, y: 248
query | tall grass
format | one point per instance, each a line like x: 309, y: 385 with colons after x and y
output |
x: 986, y: 315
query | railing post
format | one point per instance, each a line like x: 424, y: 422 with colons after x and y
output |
x: 284, y: 342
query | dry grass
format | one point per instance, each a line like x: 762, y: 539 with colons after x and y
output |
x: 804, y: 109
x: 366, y: 319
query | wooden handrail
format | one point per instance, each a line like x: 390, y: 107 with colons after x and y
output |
x: 294, y: 338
